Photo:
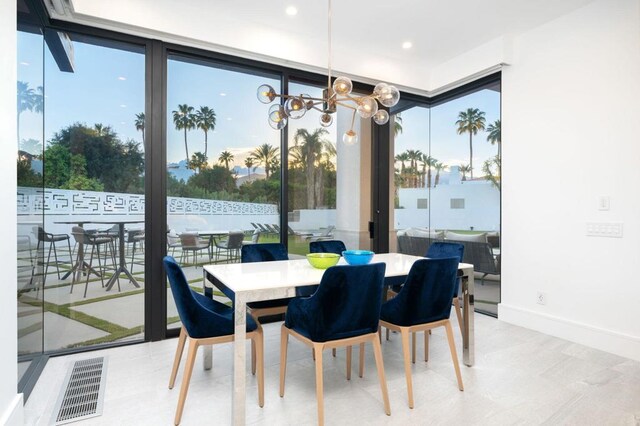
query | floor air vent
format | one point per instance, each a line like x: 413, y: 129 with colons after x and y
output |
x: 83, y: 391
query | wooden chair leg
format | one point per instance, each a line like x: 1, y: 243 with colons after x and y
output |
x: 377, y: 352
x: 176, y: 361
x: 426, y: 345
x: 413, y: 347
x: 349, y: 352
x: 361, y: 369
x: 454, y: 354
x: 259, y: 345
x: 313, y: 353
x: 407, y: 363
x: 458, y: 309
x: 387, y: 334
x: 284, y: 340
x: 333, y: 352
x: 319, y: 384
x: 253, y: 357
x: 188, y: 369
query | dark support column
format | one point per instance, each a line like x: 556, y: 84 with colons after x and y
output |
x: 155, y: 318
x: 284, y: 174
x: 380, y: 186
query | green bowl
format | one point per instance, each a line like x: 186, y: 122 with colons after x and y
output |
x: 323, y: 260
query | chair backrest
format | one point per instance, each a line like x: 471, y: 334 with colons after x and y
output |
x: 255, y: 236
x: 189, y: 239
x: 327, y: 246
x: 80, y: 235
x: 234, y: 241
x: 440, y: 250
x: 263, y: 252
x: 199, y: 321
x: 427, y: 292
x: 347, y: 302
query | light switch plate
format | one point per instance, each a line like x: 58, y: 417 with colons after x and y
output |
x: 604, y: 229
x: 604, y: 203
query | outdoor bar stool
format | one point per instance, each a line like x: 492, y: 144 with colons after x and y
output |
x: 96, y: 241
x: 205, y: 322
x: 424, y: 303
x: 51, y: 239
x: 135, y: 236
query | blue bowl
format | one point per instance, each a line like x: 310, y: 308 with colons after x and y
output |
x: 357, y: 257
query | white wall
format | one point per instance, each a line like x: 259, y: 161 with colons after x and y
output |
x: 570, y: 110
x: 10, y: 402
x: 481, y: 207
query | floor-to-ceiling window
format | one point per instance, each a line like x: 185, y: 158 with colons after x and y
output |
x: 85, y: 173
x: 223, y: 165
x: 447, y: 181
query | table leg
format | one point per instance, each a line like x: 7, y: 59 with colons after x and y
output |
x: 238, y: 399
x: 468, y: 347
x: 122, y: 267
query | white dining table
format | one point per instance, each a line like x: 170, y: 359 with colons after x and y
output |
x: 250, y: 282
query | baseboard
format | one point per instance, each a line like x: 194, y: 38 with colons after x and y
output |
x: 584, y: 334
x: 14, y: 413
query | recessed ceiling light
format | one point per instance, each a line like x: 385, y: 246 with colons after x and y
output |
x: 292, y: 11
x: 407, y: 45
x: 223, y: 94
x: 122, y: 78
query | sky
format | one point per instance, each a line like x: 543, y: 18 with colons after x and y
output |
x: 114, y: 80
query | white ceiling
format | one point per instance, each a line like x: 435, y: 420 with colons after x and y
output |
x: 367, y: 34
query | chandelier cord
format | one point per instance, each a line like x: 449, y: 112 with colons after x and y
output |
x: 329, y: 43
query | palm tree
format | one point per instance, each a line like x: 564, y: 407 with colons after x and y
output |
x: 439, y: 167
x: 183, y: 120
x: 470, y: 121
x: 26, y: 101
x: 491, y: 169
x: 198, y: 161
x: 427, y: 162
x: 494, y: 136
x: 225, y: 157
x: 205, y: 119
x: 265, y: 154
x: 414, y: 155
x: 99, y: 128
x: 397, y: 125
x: 402, y: 158
x: 312, y: 146
x: 140, y: 123
x: 249, y: 162
x: 464, y: 169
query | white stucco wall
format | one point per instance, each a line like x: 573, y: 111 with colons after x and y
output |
x: 570, y: 102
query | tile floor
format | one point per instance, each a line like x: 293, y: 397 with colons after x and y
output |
x: 520, y: 377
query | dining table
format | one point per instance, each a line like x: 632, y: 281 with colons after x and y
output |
x: 251, y: 282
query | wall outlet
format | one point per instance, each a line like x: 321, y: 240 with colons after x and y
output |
x: 604, y: 229
x: 541, y: 298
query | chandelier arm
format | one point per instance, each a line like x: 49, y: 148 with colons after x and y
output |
x: 317, y: 109
x: 353, y: 119
x: 342, y: 104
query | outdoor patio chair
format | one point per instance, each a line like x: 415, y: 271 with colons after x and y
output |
x: 190, y: 242
x: 51, y: 239
x: 205, y: 322
x: 135, y: 236
x: 327, y: 234
x: 232, y: 245
x: 424, y: 303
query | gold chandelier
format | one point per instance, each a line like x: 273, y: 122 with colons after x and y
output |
x: 336, y: 94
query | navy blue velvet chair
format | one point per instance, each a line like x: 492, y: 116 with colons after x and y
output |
x: 344, y: 311
x: 204, y: 322
x: 267, y: 252
x: 440, y: 250
x: 327, y: 246
x: 424, y: 303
